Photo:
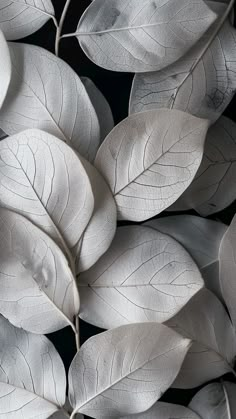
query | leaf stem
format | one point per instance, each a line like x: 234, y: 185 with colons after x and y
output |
x: 77, y: 337
x: 60, y: 26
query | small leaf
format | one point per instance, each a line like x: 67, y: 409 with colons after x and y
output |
x: 125, y: 370
x: 213, y: 189
x: 5, y: 68
x: 162, y: 410
x: 38, y: 291
x: 205, y: 321
x: 215, y: 401
x: 101, y: 107
x: 46, y: 93
x: 20, y: 18
x: 101, y: 229
x: 141, y: 36
x: 32, y: 374
x: 43, y: 179
x: 149, y: 159
x: 144, y: 276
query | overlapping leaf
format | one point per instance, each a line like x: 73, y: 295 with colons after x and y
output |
x: 46, y: 93
x: 141, y: 36
x: 125, y: 370
x: 32, y: 376
x: 144, y: 276
x: 149, y: 159
x: 5, y: 68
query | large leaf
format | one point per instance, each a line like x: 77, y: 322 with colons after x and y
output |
x: 227, y: 258
x: 43, y: 179
x: 141, y: 36
x: 125, y: 370
x: 201, y: 238
x: 38, y: 291
x: 101, y: 107
x: 202, y: 83
x: 213, y: 188
x: 215, y: 401
x: 149, y: 159
x: 20, y: 18
x: 46, y: 93
x: 162, y: 410
x: 32, y: 376
x: 102, y: 225
x: 5, y: 68
x: 144, y: 276
x: 205, y: 321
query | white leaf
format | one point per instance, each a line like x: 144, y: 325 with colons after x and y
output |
x: 101, y: 229
x: 43, y: 179
x: 32, y: 378
x: 139, y: 36
x: 162, y: 410
x: 101, y: 107
x: 149, y: 159
x: 201, y: 83
x: 20, y: 18
x: 201, y: 238
x: 205, y: 321
x: 227, y: 258
x: 5, y: 68
x: 38, y: 291
x: 213, y: 188
x: 144, y: 276
x: 125, y: 370
x: 215, y: 401
x: 46, y: 93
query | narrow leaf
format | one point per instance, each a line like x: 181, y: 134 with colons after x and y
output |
x: 5, y: 68
x: 38, y: 291
x: 162, y: 410
x: 20, y: 18
x: 205, y: 321
x: 125, y: 370
x: 141, y: 36
x: 32, y: 375
x: 149, y: 159
x: 46, y: 93
x: 144, y: 276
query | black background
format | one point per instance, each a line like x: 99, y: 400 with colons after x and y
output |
x: 116, y: 88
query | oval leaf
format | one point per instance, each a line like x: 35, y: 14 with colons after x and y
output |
x: 149, y: 159
x: 5, y: 68
x: 213, y: 188
x: 130, y: 367
x: 144, y: 276
x: 38, y: 291
x: 46, y: 93
x: 205, y: 321
x: 20, y: 18
x: 162, y: 410
x: 101, y: 107
x: 32, y: 375
x: 101, y: 229
x: 43, y: 179
x: 141, y: 37
x: 192, y: 84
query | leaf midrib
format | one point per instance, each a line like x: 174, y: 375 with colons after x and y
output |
x: 33, y: 7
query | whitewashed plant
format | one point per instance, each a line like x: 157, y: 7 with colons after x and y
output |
x: 70, y: 177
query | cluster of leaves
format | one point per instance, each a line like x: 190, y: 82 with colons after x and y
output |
x: 166, y: 289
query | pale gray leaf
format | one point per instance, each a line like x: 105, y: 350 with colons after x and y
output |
x: 5, y: 68
x: 101, y: 228
x: 141, y: 36
x: 32, y: 376
x: 125, y: 370
x: 149, y: 159
x: 213, y: 188
x: 46, y: 93
x: 144, y: 276
x: 20, y: 18
x: 161, y: 410
x: 43, y: 179
x: 101, y: 106
x: 205, y: 321
x: 38, y: 291
x: 202, y: 84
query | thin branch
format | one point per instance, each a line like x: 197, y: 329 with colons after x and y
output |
x: 77, y: 337
x: 60, y: 26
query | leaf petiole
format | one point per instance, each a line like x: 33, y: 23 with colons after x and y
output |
x: 60, y: 26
